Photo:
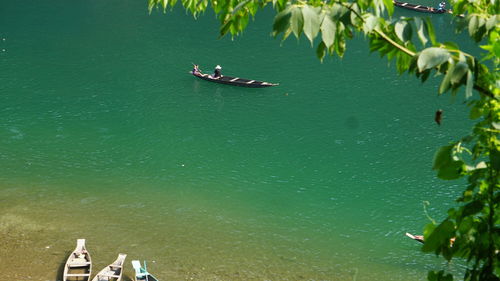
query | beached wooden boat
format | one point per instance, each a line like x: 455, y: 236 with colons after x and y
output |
x: 79, y: 265
x: 421, y: 8
x: 141, y: 273
x: 112, y: 272
x: 235, y: 81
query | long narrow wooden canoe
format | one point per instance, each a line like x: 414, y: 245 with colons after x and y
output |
x: 421, y: 8
x: 141, y: 273
x: 112, y: 272
x: 79, y: 265
x: 235, y: 81
x: 418, y: 238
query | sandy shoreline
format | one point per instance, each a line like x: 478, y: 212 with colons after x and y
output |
x: 32, y: 244
x: 178, y: 243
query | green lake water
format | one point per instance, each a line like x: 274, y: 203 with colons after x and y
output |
x: 105, y: 136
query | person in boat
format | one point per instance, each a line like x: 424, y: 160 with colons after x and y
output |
x: 196, y: 70
x: 217, y: 72
x: 441, y: 6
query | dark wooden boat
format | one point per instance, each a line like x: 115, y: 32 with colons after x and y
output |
x: 235, y: 81
x: 420, y: 8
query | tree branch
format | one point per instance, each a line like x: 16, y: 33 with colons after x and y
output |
x: 409, y: 52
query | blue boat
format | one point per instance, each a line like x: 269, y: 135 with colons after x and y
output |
x: 141, y: 273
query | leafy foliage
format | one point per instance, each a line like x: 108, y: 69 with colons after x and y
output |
x: 472, y: 230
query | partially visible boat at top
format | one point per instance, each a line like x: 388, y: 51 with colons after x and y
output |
x: 141, y: 273
x: 79, y: 265
x: 112, y: 272
x: 228, y: 80
x: 421, y: 8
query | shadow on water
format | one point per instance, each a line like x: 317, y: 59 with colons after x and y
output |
x: 60, y: 269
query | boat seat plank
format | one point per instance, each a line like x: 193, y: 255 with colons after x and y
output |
x: 79, y: 264
x: 109, y: 275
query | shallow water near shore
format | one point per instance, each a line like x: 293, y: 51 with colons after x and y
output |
x: 105, y: 136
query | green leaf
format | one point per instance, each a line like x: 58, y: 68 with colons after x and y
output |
x: 473, y: 25
x: 328, y: 31
x: 151, y: 5
x: 363, y: 4
x: 472, y: 208
x: 481, y: 30
x: 402, y: 62
x: 496, y: 48
x: 164, y: 3
x: 297, y: 21
x: 469, y: 85
x: 239, y: 6
x: 403, y: 30
x: 390, y: 6
x: 451, y: 45
x: 492, y: 22
x: 421, y: 30
x: 225, y: 28
x: 439, y: 276
x: 243, y: 22
x: 432, y: 57
x: 321, y: 51
x: 311, y: 22
x: 355, y: 20
x: 442, y: 156
x: 459, y: 8
x: 338, y: 11
x: 458, y: 72
x: 413, y: 65
x: 440, y: 237
x: 370, y: 22
x: 280, y: 4
x: 448, y: 168
x: 340, y: 41
x: 282, y: 21
x: 286, y: 34
x: 425, y: 75
x: 430, y: 30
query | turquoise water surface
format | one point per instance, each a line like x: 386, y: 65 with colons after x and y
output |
x: 105, y: 136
